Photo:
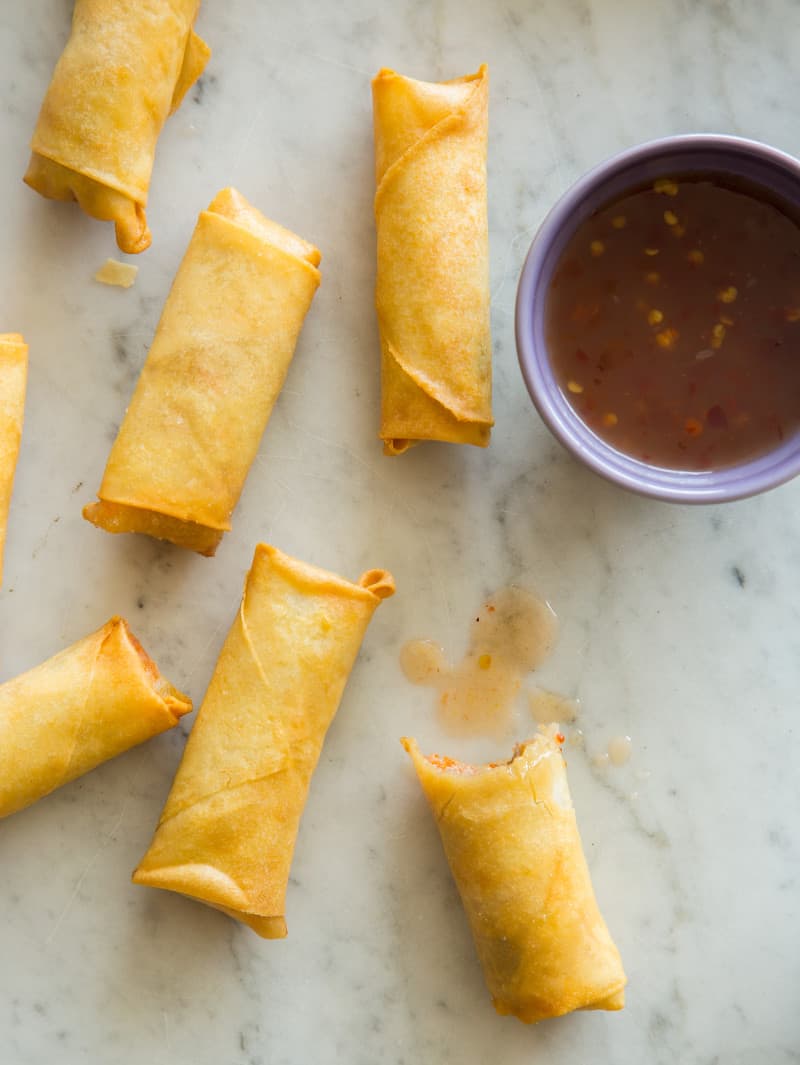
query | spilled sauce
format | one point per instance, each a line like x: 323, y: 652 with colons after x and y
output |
x: 549, y: 707
x: 620, y: 749
x: 617, y: 753
x: 424, y: 662
x: 511, y: 635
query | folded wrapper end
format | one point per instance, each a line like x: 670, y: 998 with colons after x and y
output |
x: 230, y: 204
x: 132, y: 233
x: 203, y: 883
x: 57, y: 182
x: 195, y: 57
x: 266, y: 927
x: 398, y: 447
x: 122, y: 518
x: 175, y: 702
x: 378, y: 581
x: 395, y: 446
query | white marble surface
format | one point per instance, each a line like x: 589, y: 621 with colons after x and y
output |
x: 679, y: 626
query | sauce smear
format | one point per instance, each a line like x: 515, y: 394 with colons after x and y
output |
x: 549, y: 707
x: 673, y: 323
x: 511, y: 635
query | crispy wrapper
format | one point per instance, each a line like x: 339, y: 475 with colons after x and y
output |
x: 227, y: 833
x: 512, y: 842
x: 126, y: 66
x: 432, y: 291
x: 216, y: 366
x: 13, y: 378
x: 85, y: 705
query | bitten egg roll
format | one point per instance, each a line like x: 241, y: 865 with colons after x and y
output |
x: 217, y: 363
x: 126, y: 66
x: 432, y: 290
x: 85, y: 705
x: 512, y: 842
x: 227, y: 833
x: 13, y: 377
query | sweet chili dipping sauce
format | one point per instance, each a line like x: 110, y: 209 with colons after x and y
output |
x: 673, y: 322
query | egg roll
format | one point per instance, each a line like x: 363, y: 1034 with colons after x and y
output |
x: 227, y: 833
x: 218, y: 361
x: 85, y: 705
x: 432, y: 289
x: 126, y: 66
x: 511, y: 839
x: 13, y: 378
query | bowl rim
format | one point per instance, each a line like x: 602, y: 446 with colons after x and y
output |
x: 739, y: 481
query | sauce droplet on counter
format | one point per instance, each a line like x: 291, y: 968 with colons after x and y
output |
x: 511, y: 635
x: 424, y: 662
x: 620, y: 750
x: 548, y: 707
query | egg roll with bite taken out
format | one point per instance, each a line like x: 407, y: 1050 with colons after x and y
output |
x: 511, y: 840
x: 125, y: 68
x: 85, y: 705
x: 432, y: 289
x: 227, y: 833
x: 216, y: 366
x: 13, y: 378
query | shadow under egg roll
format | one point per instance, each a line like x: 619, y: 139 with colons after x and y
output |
x: 511, y: 839
x: 432, y: 288
x: 216, y: 366
x: 228, y: 829
x: 85, y: 705
x: 13, y: 379
x: 125, y: 68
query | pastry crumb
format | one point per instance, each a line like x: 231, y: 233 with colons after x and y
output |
x: 116, y: 273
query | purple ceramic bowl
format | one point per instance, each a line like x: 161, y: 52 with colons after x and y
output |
x: 759, y: 164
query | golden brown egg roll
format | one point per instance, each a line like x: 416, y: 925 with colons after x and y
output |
x: 85, y: 705
x: 512, y: 842
x: 432, y: 291
x: 227, y: 833
x: 125, y: 68
x: 217, y: 363
x: 13, y: 378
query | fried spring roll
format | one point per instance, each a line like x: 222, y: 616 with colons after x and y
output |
x: 85, y: 705
x: 512, y: 842
x: 13, y: 377
x: 217, y: 363
x: 227, y: 833
x: 125, y: 68
x: 432, y: 291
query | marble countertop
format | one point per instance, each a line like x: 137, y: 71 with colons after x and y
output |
x: 679, y: 626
